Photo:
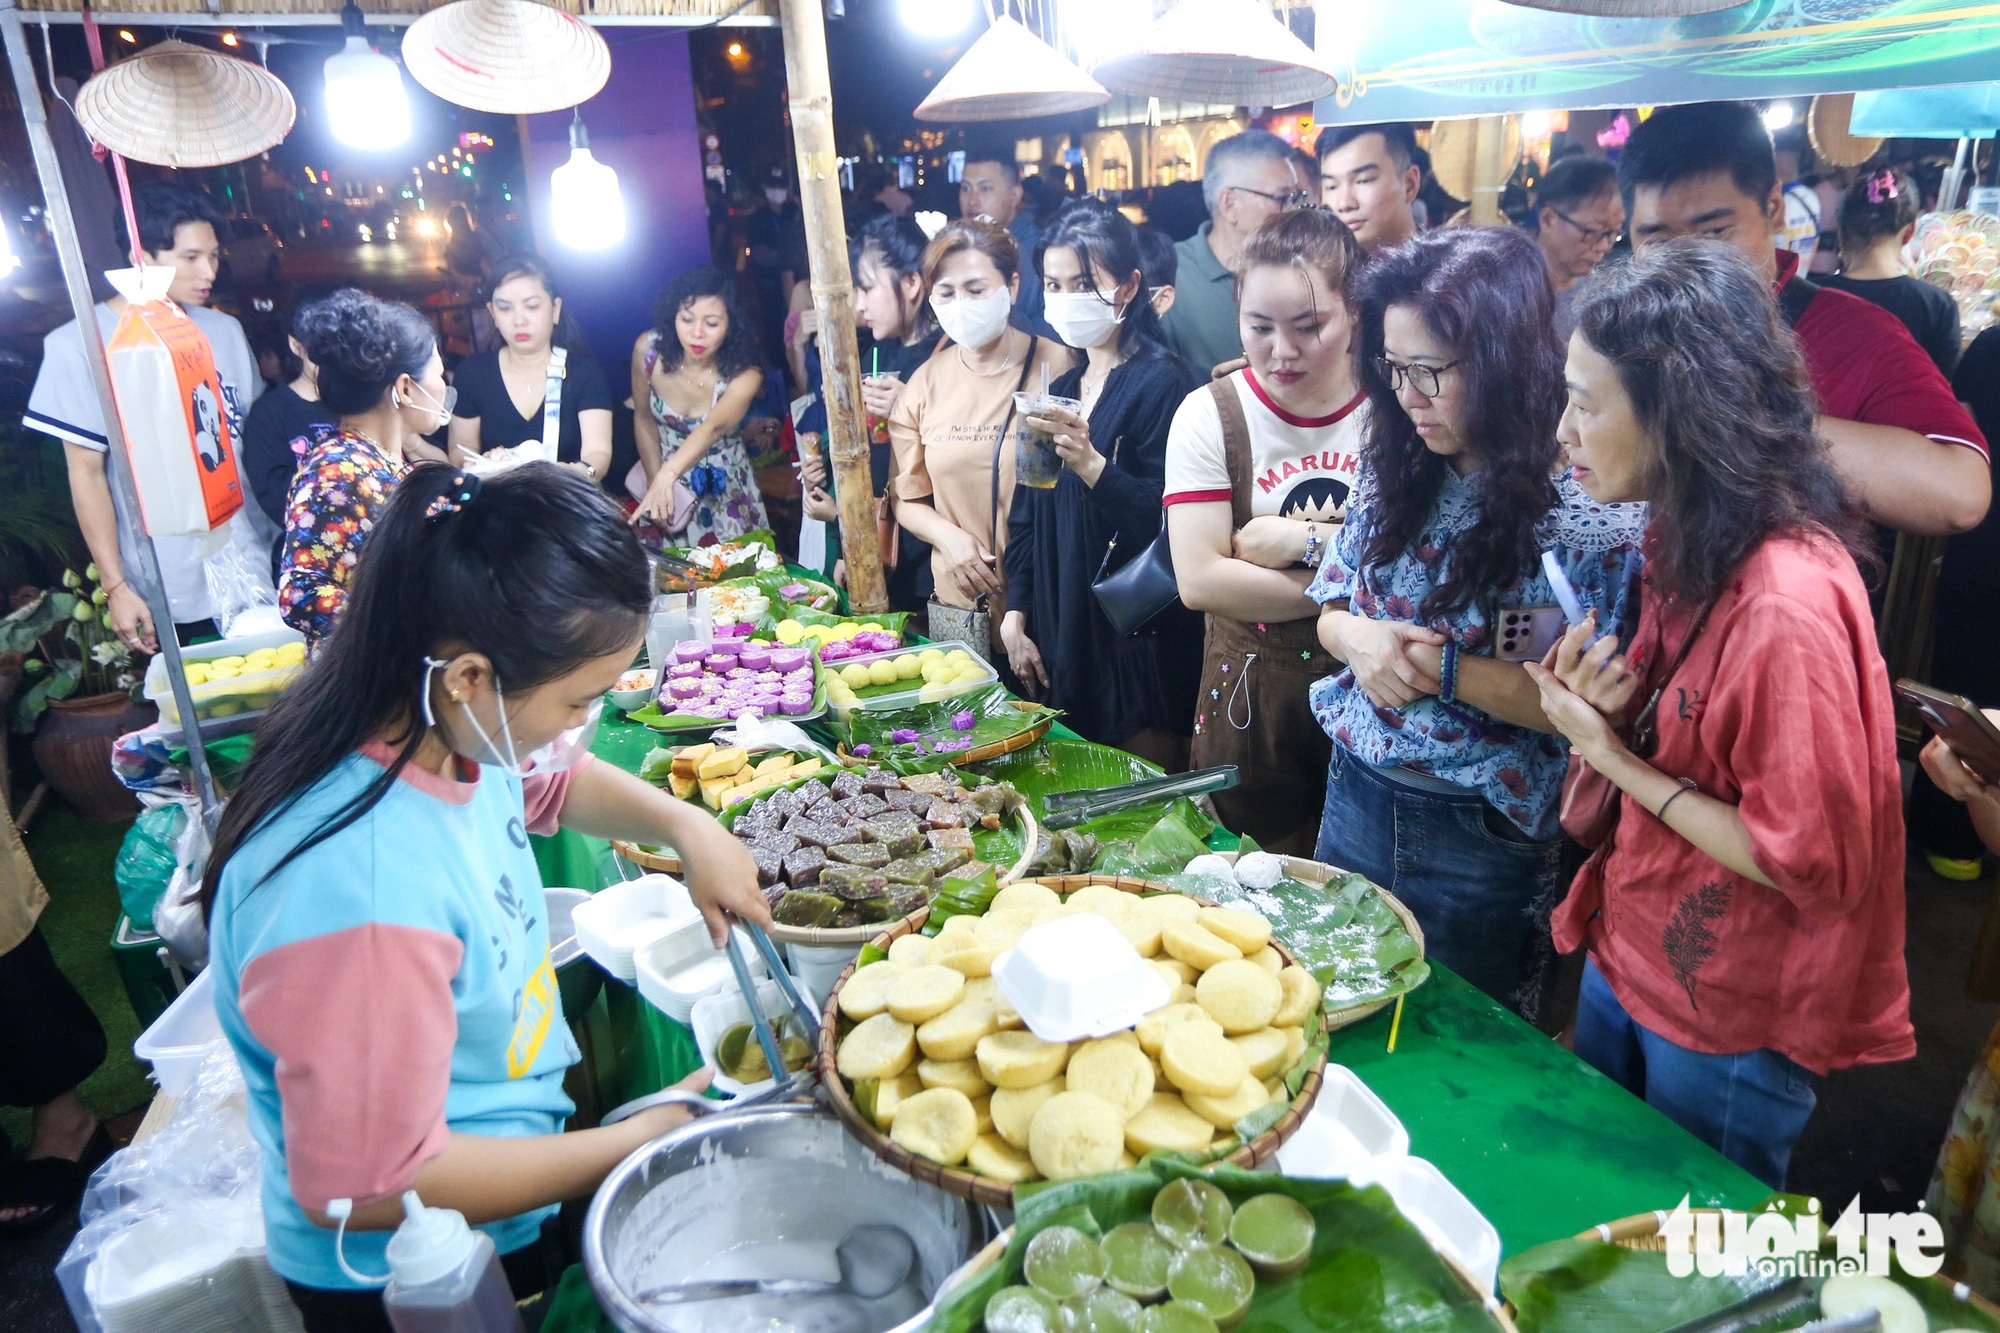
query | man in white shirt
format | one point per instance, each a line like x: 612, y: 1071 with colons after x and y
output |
x: 179, y: 228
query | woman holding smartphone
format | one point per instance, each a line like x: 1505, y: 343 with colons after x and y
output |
x: 1745, y: 917
x: 1444, y: 781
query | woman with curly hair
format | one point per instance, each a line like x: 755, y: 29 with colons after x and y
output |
x: 380, y: 373
x: 1744, y: 917
x: 1444, y: 782
x: 694, y: 377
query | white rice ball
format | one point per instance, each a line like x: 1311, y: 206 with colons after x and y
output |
x: 1211, y: 864
x: 1259, y: 870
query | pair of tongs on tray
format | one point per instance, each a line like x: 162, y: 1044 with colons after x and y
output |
x: 1067, y: 809
x: 1781, y: 1300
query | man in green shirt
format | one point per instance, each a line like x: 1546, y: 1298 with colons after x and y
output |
x: 1250, y: 177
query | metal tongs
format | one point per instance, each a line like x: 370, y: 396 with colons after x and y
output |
x: 1780, y: 1300
x: 1068, y: 809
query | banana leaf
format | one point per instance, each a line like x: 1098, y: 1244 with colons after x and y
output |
x: 995, y: 719
x: 1371, y: 1271
x: 899, y: 621
x: 1588, y: 1286
x: 1344, y: 934
x: 653, y: 719
x: 1056, y: 766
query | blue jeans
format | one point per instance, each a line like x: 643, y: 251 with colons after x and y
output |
x: 1478, y: 886
x: 1751, y: 1108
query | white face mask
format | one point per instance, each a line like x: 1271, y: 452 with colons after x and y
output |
x: 974, y: 323
x: 1081, y: 319
x: 565, y: 752
x: 443, y: 409
x: 777, y: 198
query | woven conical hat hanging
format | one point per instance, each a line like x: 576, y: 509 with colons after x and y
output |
x: 178, y: 105
x: 1008, y: 74
x: 1220, y: 51
x: 1827, y: 127
x: 1631, y: 9
x: 510, y: 57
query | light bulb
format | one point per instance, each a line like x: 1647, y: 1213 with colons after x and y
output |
x: 1536, y: 125
x: 936, y: 18
x: 366, y: 106
x: 585, y: 204
x: 1778, y: 115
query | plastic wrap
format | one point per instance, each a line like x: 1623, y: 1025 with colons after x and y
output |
x: 172, y: 1228
x: 177, y: 917
x: 240, y: 592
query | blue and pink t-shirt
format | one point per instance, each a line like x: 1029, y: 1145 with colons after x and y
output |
x: 387, y: 989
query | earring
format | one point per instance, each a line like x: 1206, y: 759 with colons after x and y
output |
x: 454, y: 696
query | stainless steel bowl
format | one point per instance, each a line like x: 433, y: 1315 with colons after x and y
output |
x: 788, y: 1173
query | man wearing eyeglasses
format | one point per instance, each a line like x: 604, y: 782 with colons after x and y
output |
x: 1250, y: 177
x: 1369, y: 177
x: 1579, y: 217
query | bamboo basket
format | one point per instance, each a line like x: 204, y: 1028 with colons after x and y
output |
x: 1642, y: 1232
x: 965, y: 1184
x: 996, y: 1250
x: 979, y: 754
x: 1318, y: 873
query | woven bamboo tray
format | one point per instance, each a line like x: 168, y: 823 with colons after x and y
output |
x: 1319, y: 873
x: 1642, y: 1232
x: 979, y: 754
x: 979, y: 1189
x: 988, y: 1258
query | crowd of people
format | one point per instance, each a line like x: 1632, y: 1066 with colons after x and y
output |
x: 1524, y: 574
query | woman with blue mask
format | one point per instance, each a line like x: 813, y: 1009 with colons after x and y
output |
x: 381, y: 375
x: 1134, y: 691
x: 377, y: 925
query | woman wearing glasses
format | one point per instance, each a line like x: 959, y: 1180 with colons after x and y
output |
x: 1444, y: 781
x: 1259, y: 465
x: 1745, y: 917
x: 379, y: 370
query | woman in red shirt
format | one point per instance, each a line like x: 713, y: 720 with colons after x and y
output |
x: 1744, y: 917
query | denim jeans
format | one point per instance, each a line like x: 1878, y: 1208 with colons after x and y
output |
x: 1751, y: 1108
x: 1481, y: 890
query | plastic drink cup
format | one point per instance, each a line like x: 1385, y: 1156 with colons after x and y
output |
x: 878, y: 427
x: 1036, y: 462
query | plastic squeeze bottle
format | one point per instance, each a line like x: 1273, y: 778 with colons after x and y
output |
x: 444, y: 1277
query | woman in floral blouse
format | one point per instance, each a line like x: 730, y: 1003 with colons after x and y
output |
x: 1444, y: 782
x: 379, y: 369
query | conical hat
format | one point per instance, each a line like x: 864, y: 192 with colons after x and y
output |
x: 510, y: 57
x: 178, y: 105
x: 1010, y: 73
x: 1631, y: 9
x: 1219, y: 51
x: 1827, y: 127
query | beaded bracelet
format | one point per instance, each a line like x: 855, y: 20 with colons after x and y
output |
x: 1448, y: 673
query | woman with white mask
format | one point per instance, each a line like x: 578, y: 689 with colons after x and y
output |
x: 952, y: 432
x: 1134, y: 691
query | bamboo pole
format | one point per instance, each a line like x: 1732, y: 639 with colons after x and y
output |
x: 1490, y: 169
x: 810, y: 90
x: 144, y: 572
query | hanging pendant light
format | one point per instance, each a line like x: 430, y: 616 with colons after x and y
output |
x: 509, y: 57
x: 586, y: 207
x: 1219, y: 51
x: 178, y: 105
x: 367, y: 106
x: 1008, y: 74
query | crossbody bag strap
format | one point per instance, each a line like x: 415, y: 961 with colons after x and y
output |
x: 552, y: 388
x: 1006, y: 427
x: 1652, y: 708
x: 1235, y: 447
x: 1794, y: 297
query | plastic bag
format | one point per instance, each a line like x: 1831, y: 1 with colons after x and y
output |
x: 240, y: 592
x: 177, y: 917
x: 147, y: 859
x: 172, y: 1229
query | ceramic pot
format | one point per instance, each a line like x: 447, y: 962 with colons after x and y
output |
x: 73, y: 748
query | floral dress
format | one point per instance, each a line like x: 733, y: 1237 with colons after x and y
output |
x: 1964, y: 1193
x: 727, y: 501
x: 342, y: 484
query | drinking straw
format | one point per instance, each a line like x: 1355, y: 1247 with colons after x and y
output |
x: 1045, y: 379
x: 874, y: 361
x: 1396, y: 1023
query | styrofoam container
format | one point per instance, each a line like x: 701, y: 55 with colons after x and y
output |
x: 622, y: 918
x: 1445, y: 1216
x: 715, y: 1014
x: 1078, y: 977
x: 1347, y: 1133
x: 222, y: 693
x: 179, y: 1038
x: 672, y: 976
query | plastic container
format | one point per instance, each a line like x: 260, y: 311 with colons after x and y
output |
x: 178, y: 1273
x: 444, y: 1277
x: 624, y: 917
x: 818, y: 967
x: 1348, y: 1133
x: 1445, y: 1216
x: 1078, y: 977
x: 911, y: 696
x: 716, y: 1013
x: 239, y: 700
x: 178, y: 1039
x: 674, y: 973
